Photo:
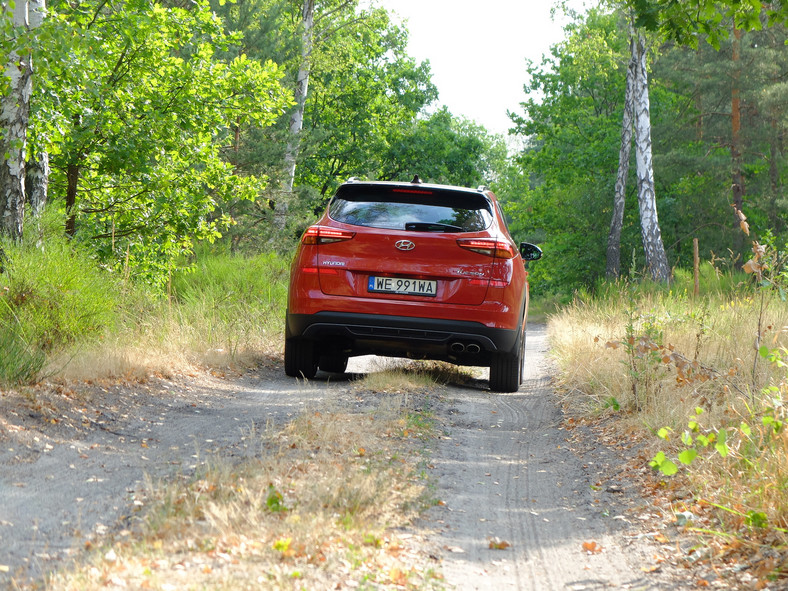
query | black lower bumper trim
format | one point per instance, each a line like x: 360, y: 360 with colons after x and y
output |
x: 401, y: 336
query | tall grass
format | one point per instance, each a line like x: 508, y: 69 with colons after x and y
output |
x: 53, y: 298
x: 230, y: 303
x: 707, y: 374
x: 62, y: 313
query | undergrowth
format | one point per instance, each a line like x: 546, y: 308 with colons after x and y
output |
x: 63, y: 314
x: 708, y: 375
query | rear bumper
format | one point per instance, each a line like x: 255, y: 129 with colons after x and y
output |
x: 462, y: 342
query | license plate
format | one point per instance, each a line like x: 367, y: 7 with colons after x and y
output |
x: 421, y: 287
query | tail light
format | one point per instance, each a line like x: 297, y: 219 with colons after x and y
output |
x: 321, y: 235
x: 488, y: 247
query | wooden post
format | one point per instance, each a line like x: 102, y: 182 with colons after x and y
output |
x: 696, y: 257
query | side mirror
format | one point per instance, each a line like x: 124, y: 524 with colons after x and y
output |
x: 530, y: 252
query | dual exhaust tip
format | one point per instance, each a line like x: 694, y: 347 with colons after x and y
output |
x: 458, y: 347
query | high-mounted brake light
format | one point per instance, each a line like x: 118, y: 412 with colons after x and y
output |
x: 488, y: 247
x: 322, y: 235
x: 412, y: 191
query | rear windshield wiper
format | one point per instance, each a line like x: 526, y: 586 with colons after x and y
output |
x: 432, y: 227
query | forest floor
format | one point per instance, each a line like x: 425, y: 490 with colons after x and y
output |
x: 528, y: 497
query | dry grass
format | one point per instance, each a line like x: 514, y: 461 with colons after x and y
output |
x: 164, y: 342
x: 715, y: 336
x: 691, y: 367
x: 398, y: 375
x: 321, y: 508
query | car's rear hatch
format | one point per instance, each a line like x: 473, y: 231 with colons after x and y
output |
x: 402, y: 243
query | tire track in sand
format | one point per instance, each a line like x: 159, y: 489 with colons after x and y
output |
x: 505, y: 473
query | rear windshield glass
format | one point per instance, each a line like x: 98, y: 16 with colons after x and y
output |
x: 402, y: 208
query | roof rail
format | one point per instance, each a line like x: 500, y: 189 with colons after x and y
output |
x: 481, y: 188
x: 352, y: 179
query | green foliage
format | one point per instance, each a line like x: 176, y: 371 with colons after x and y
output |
x: 20, y: 362
x: 687, y: 22
x: 274, y: 501
x: 564, y: 195
x: 444, y: 149
x: 53, y: 296
x: 133, y: 106
x: 231, y: 301
x: 364, y: 90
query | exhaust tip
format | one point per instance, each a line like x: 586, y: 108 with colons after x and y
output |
x: 457, y: 347
x: 473, y: 348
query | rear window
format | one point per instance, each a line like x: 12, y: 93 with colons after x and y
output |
x: 405, y: 208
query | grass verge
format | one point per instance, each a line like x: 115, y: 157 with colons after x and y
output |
x: 63, y: 315
x: 702, y: 382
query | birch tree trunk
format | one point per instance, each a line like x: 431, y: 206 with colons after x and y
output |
x: 14, y: 112
x: 37, y: 183
x: 297, y: 118
x: 617, y: 222
x: 656, y: 259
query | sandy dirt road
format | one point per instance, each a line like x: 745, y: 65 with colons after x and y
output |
x: 74, y: 465
x: 529, y: 506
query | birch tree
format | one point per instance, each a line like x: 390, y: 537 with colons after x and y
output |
x: 619, y: 198
x: 297, y: 118
x: 21, y: 17
x: 656, y: 259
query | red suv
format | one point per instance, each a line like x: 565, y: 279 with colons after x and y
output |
x: 409, y: 270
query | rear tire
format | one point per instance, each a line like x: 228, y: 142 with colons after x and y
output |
x: 300, y: 360
x: 506, y: 369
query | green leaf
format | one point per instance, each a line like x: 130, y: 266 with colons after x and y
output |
x: 756, y: 519
x: 687, y: 456
x: 668, y: 468
x: 663, y: 433
x: 664, y: 465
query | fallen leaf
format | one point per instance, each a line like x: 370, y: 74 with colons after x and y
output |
x: 592, y: 547
x: 498, y: 544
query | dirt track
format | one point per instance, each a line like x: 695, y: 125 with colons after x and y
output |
x: 508, y: 476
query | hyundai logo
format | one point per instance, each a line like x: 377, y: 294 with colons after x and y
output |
x: 404, y: 245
